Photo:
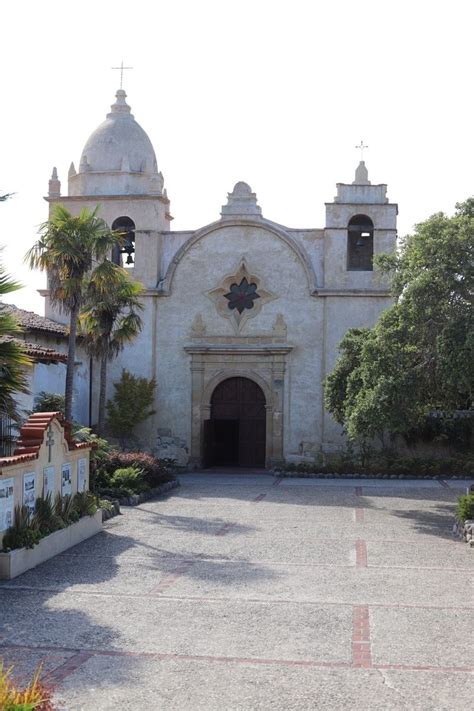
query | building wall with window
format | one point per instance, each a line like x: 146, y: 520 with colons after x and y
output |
x: 242, y: 299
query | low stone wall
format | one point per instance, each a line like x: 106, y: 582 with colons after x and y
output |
x: 17, y: 561
x: 115, y: 511
x: 150, y: 494
x: 315, y: 475
x: 465, y: 531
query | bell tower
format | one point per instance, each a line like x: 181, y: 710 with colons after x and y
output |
x: 118, y: 172
x: 360, y: 223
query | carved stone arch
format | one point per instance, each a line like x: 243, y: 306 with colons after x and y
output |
x: 219, y: 378
x: 263, y: 365
x: 165, y: 285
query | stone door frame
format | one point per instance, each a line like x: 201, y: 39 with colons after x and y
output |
x: 265, y: 365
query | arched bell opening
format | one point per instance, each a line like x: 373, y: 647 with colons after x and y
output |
x: 126, y: 228
x: 360, y: 244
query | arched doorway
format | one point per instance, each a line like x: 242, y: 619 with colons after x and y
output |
x: 236, y: 433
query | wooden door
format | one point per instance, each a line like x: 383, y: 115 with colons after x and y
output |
x: 242, y: 400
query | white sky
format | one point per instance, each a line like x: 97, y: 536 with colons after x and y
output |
x: 274, y: 93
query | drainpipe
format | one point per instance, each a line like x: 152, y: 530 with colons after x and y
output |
x: 90, y: 392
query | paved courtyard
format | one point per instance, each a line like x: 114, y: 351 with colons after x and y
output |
x: 246, y: 592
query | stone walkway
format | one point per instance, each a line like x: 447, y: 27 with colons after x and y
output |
x: 245, y: 592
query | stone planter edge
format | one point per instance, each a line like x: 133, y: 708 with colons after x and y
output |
x: 20, y: 560
x: 150, y: 494
x: 465, y: 531
x: 281, y: 474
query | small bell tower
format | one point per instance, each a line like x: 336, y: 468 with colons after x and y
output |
x: 360, y: 223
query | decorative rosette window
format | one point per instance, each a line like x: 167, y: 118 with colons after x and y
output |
x: 240, y: 296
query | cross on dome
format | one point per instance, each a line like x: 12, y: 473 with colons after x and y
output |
x: 122, y: 68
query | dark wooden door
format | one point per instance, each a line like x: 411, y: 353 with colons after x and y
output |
x: 243, y: 401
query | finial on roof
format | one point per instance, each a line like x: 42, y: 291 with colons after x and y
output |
x: 361, y: 175
x: 241, y: 201
x: 120, y: 106
x: 54, y: 185
x: 72, y: 171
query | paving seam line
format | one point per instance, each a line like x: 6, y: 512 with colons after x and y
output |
x: 361, y: 661
x: 170, y: 579
x: 243, y: 600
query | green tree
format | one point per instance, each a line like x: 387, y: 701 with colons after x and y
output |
x: 132, y: 403
x: 13, y: 358
x: 67, y: 249
x: 418, y: 357
x: 109, y: 319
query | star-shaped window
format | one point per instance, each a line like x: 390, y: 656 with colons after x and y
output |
x: 241, y: 296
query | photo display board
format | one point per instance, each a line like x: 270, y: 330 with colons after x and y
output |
x: 82, y: 474
x: 6, y: 504
x: 66, y: 479
x: 49, y: 482
x: 29, y: 491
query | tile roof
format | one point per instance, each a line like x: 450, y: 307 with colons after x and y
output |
x: 37, y: 352
x: 34, y: 322
x: 32, y: 436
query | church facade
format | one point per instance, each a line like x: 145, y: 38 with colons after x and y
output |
x: 242, y: 317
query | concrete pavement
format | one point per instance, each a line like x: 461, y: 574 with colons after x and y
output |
x: 246, y: 592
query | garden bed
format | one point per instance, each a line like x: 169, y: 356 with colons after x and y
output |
x: 19, y: 560
x: 136, y: 499
x: 366, y: 475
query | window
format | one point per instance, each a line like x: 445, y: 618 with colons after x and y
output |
x: 126, y: 227
x: 360, y: 244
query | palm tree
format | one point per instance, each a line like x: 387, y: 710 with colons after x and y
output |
x: 13, y: 358
x: 109, y: 319
x: 67, y: 249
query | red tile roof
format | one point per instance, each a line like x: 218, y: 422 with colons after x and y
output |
x: 34, y: 322
x: 37, y: 352
x: 32, y: 435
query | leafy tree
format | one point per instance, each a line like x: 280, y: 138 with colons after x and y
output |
x: 132, y: 403
x: 67, y: 249
x: 109, y: 319
x: 13, y: 358
x: 418, y: 357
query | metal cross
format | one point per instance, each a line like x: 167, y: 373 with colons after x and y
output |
x: 50, y: 441
x: 121, y: 72
x: 361, y: 148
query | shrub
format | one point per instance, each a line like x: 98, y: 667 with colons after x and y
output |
x: 155, y: 471
x: 34, y: 696
x: 465, y: 508
x: 49, y: 402
x: 388, y: 463
x: 45, y: 517
x: 85, y: 503
x: 132, y: 403
x: 128, y: 478
x: 98, y: 453
x: 64, y: 507
x: 23, y: 533
x: 106, y: 504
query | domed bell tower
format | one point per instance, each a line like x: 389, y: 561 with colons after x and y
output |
x: 118, y: 172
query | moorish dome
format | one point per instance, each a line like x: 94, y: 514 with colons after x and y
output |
x: 118, y: 158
